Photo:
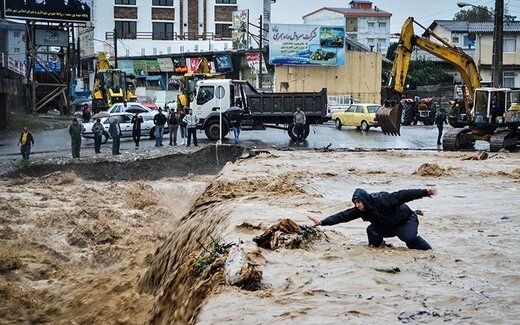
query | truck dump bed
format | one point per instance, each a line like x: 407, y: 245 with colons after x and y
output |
x: 280, y: 107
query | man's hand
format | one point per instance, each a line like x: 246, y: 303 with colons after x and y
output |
x: 316, y: 222
x: 432, y: 191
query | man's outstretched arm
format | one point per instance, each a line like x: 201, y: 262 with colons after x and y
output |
x: 403, y: 196
x: 343, y: 216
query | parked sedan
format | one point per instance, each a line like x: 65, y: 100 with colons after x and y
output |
x: 147, y: 101
x: 130, y: 108
x: 359, y: 115
x: 125, y: 120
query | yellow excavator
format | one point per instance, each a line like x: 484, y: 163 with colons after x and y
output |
x: 492, y: 114
x: 110, y: 86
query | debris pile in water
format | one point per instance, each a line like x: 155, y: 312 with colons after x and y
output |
x: 287, y: 233
x: 432, y: 170
x: 241, y: 271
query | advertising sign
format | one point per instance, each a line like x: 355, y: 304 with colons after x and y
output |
x: 193, y: 64
x: 240, y: 28
x: 59, y: 10
x: 223, y: 63
x: 165, y: 64
x: 51, y: 37
x: 253, y: 61
x: 306, y: 45
x: 127, y: 66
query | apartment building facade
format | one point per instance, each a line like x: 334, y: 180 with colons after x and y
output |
x: 158, y: 27
x: 476, y: 39
x: 364, y: 23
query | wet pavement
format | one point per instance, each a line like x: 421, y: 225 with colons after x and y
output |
x: 56, y: 143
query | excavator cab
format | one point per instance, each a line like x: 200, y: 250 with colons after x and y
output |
x: 489, y: 107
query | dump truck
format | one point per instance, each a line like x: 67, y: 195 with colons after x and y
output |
x: 258, y: 110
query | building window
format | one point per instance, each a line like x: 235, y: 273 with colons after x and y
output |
x: 163, y: 31
x: 382, y: 24
x: 352, y: 24
x: 371, y: 24
x: 126, y: 29
x: 125, y: 2
x: 234, y: 2
x: 16, y: 50
x: 455, y: 40
x: 509, y: 45
x: 468, y: 41
x: 162, y: 3
x: 509, y: 79
x: 16, y: 34
x: 223, y: 30
x: 382, y: 42
x: 370, y: 41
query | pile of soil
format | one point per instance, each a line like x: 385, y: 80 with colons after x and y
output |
x: 432, y: 170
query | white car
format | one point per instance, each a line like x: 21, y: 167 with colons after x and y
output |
x: 130, y: 108
x: 125, y: 121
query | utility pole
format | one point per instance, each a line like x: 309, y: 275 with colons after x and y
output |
x: 261, y: 57
x: 498, y: 44
x: 115, y: 48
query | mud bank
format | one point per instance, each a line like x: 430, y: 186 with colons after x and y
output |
x: 89, y: 251
x: 208, y: 160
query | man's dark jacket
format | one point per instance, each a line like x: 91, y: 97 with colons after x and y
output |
x: 382, y: 209
x: 159, y: 119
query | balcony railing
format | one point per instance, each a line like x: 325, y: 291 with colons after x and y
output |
x: 169, y: 36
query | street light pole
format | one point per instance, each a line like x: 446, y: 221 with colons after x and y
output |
x: 498, y: 44
x: 261, y: 58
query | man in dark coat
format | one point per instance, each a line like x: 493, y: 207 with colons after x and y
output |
x: 115, y: 132
x: 159, y: 120
x: 75, y: 137
x: 26, y: 139
x: 388, y: 214
x: 137, y: 120
x: 440, y: 119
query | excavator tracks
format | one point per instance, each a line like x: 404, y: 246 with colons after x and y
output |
x: 504, y: 139
x: 457, y: 139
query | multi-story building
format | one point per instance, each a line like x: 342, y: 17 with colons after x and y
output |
x: 476, y: 39
x: 155, y: 27
x: 12, y: 40
x: 364, y: 23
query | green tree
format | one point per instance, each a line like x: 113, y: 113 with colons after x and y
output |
x: 422, y: 73
x: 390, y: 53
x: 474, y: 14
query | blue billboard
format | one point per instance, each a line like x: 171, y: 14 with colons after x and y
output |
x: 306, y: 45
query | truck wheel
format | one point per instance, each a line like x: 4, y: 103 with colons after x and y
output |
x: 338, y: 124
x: 292, y: 132
x: 365, y: 126
x: 212, y: 129
x: 152, y: 133
x: 105, y: 137
x: 407, y: 114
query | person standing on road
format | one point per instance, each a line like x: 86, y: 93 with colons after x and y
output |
x: 388, y: 214
x: 299, y: 123
x: 182, y: 125
x: 440, y: 119
x: 98, y: 130
x: 115, y: 132
x: 191, y: 121
x: 75, y: 137
x: 235, y: 121
x: 26, y: 139
x: 137, y: 120
x: 173, y: 126
x: 86, y: 114
x: 159, y: 120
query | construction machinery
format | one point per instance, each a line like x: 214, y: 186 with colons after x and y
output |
x: 415, y: 110
x: 110, y: 86
x: 492, y: 114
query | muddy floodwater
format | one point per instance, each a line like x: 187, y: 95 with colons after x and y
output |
x: 87, y: 250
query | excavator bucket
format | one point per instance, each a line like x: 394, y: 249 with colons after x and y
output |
x: 389, y: 118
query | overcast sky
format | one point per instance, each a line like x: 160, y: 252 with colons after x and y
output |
x: 424, y: 11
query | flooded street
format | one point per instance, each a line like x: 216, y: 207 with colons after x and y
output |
x: 85, y: 250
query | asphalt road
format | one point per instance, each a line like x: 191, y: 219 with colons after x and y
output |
x: 56, y: 143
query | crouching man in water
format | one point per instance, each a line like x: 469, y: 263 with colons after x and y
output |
x: 388, y: 214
